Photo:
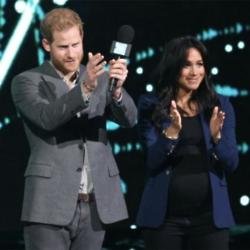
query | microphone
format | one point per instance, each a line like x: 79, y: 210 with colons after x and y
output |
x: 121, y: 47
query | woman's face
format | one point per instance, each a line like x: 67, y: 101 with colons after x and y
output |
x: 193, y: 72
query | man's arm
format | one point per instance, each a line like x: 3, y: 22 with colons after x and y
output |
x: 28, y: 94
x: 124, y: 111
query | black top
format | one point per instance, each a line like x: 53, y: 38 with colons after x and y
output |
x: 189, y: 192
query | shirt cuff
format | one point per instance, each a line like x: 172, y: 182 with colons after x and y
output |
x: 119, y: 100
x: 84, y: 96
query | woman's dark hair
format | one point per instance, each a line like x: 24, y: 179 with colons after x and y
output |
x: 173, y: 60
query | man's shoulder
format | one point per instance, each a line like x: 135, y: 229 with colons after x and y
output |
x: 41, y: 69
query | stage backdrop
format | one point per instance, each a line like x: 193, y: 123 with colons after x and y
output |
x: 223, y: 27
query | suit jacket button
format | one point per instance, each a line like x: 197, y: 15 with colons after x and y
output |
x: 79, y: 170
x: 80, y: 146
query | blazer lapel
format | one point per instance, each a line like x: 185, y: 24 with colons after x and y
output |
x: 53, y: 80
x: 59, y: 87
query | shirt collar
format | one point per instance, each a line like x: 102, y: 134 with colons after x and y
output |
x: 72, y: 79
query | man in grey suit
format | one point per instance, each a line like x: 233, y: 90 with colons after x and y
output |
x: 72, y: 184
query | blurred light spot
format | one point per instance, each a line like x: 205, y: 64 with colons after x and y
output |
x: 149, y: 87
x: 129, y: 147
x: 111, y: 126
x: 20, y: 6
x: 133, y: 227
x: 151, y: 52
x: 244, y: 200
x: 139, y: 71
x: 2, y: 21
x: 60, y: 2
x: 226, y: 90
x: 214, y: 71
x: 116, y: 148
x: 6, y: 120
x: 243, y: 148
x: 124, y: 187
x: 241, y: 45
x: 138, y: 146
x: 228, y: 48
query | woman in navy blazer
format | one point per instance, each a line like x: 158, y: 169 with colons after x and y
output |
x: 189, y: 137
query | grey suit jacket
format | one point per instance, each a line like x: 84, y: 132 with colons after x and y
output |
x: 56, y: 137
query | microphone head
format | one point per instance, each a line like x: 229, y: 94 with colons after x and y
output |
x: 125, y: 34
x: 122, y: 47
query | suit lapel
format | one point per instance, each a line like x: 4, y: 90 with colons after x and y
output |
x: 53, y: 80
x: 59, y: 87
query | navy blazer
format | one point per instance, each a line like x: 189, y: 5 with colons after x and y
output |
x: 223, y: 157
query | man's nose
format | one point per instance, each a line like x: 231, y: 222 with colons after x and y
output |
x: 70, y: 52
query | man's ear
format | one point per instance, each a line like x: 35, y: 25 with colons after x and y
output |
x: 46, y: 44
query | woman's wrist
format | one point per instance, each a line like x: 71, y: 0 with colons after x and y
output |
x: 171, y: 133
x: 216, y: 138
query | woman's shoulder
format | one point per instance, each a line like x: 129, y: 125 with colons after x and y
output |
x: 224, y: 100
x: 147, y: 101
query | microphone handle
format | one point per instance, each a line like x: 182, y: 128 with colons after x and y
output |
x: 113, y: 81
x: 112, y: 84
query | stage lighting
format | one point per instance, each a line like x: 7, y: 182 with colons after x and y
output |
x: 60, y: 2
x: 149, y: 87
x: 17, y: 38
x: 6, y: 120
x: 243, y: 148
x: 244, y: 200
x: 214, y: 71
x: 111, y: 126
x: 241, y: 45
x: 20, y: 6
x: 228, y: 48
x: 139, y: 70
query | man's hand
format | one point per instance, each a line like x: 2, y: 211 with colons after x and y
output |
x: 95, y: 67
x: 118, y: 70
